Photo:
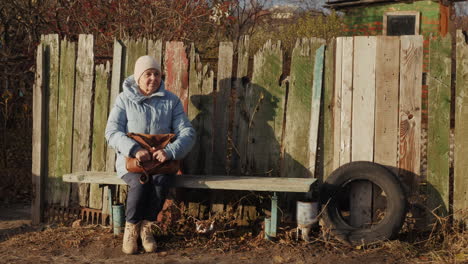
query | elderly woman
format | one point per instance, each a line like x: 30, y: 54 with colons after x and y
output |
x: 145, y: 106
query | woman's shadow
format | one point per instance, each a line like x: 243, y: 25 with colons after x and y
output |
x: 256, y: 127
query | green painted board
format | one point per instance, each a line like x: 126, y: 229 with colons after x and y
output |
x: 116, y: 83
x: 296, y: 133
x: 460, y: 193
x: 133, y: 50
x: 266, y: 99
x: 99, y: 145
x: 82, y: 111
x: 438, y: 142
x: 221, y: 163
x: 327, y: 142
x: 192, y: 163
x: 241, y: 122
x: 315, y: 111
x: 65, y: 121
x: 52, y: 59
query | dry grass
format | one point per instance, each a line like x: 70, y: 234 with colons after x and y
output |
x: 445, y: 242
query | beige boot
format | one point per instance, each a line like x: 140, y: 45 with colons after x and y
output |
x: 147, y: 238
x: 130, y: 245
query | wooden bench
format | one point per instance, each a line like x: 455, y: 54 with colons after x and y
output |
x: 269, y: 184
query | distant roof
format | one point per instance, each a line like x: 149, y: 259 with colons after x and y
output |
x: 336, y: 4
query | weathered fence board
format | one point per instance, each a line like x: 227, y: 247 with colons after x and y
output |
x: 460, y: 193
x: 438, y: 143
x: 64, y: 121
x: 83, y: 109
x: 296, y: 131
x: 327, y: 137
x: 206, y: 116
x: 221, y: 164
x: 38, y: 137
x: 386, y: 100
x: 409, y: 127
x: 52, y: 48
x: 241, y: 122
x: 155, y: 50
x: 116, y: 83
x: 337, y: 103
x: 266, y: 109
x: 193, y: 161
x: 315, y: 111
x: 133, y: 50
x: 176, y: 69
x: 346, y: 100
x: 99, y: 146
x: 363, y: 114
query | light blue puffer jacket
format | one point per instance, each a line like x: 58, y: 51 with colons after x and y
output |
x: 160, y: 113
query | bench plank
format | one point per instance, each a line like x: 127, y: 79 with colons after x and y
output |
x: 207, y: 182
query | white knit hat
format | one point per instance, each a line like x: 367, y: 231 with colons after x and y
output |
x: 144, y: 63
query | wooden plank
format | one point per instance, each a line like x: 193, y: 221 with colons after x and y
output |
x: 99, y: 146
x: 362, y: 143
x: 176, y: 67
x: 221, y: 164
x: 296, y: 132
x: 234, y: 182
x: 133, y: 50
x: 207, y: 113
x: 327, y: 143
x: 51, y: 44
x: 266, y: 111
x: 347, y: 69
x: 438, y: 143
x: 337, y: 103
x: 83, y: 108
x: 409, y: 123
x: 155, y: 50
x: 241, y: 122
x: 193, y: 161
x: 387, y: 74
x: 65, y: 120
x: 116, y: 84
x: 315, y: 111
x: 460, y: 194
x: 38, y: 137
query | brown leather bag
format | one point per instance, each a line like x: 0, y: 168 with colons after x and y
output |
x: 152, y: 166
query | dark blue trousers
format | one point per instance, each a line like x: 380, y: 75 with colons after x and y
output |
x: 145, y: 201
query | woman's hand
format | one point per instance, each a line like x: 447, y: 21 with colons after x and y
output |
x: 160, y: 155
x: 143, y: 155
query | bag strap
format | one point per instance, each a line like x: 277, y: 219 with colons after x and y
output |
x: 146, y: 142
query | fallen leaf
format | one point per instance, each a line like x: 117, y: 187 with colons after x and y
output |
x: 76, y: 223
x: 162, y: 254
x: 461, y: 256
x: 278, y: 259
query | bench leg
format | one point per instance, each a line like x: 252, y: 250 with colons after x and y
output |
x: 271, y: 223
x: 274, y: 215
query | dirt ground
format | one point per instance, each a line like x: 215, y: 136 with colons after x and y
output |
x: 22, y: 243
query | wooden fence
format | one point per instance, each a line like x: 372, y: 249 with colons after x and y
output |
x: 367, y: 97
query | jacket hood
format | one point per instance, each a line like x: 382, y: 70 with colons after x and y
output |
x: 131, y: 91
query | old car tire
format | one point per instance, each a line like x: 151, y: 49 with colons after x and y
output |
x: 395, y: 212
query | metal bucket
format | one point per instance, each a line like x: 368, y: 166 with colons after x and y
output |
x: 118, y: 218
x: 306, y: 213
x: 306, y: 216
